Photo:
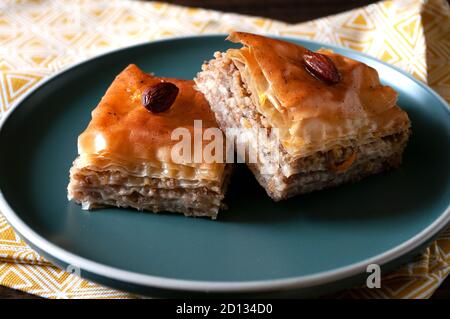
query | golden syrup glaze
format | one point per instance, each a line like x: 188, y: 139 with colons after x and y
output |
x: 122, y: 128
x: 311, y: 113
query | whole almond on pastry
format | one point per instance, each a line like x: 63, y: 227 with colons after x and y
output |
x: 159, y: 97
x: 321, y: 67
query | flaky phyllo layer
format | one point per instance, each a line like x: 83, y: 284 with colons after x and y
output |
x: 144, y: 174
x: 310, y: 115
x: 103, y: 161
x: 96, y: 185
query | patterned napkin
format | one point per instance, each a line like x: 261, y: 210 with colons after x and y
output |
x: 38, y: 38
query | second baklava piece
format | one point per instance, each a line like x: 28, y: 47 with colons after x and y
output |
x: 334, y: 121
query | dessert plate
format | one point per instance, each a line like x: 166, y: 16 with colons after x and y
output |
x: 308, y: 245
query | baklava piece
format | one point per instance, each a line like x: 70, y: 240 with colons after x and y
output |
x: 334, y: 121
x: 125, y: 157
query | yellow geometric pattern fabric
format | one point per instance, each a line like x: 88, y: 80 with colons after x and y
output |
x: 39, y: 38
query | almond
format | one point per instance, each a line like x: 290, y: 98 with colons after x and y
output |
x: 321, y: 67
x: 159, y: 97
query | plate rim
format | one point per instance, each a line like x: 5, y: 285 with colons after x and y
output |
x: 296, y: 282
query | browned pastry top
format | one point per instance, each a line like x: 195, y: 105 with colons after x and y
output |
x: 311, y: 112
x: 123, y: 130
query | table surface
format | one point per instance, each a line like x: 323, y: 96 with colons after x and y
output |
x: 284, y: 10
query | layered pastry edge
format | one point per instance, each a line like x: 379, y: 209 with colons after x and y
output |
x: 96, y: 187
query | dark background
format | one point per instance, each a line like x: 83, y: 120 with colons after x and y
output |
x: 284, y: 10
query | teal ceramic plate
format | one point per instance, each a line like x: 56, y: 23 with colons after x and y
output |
x: 305, y: 245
